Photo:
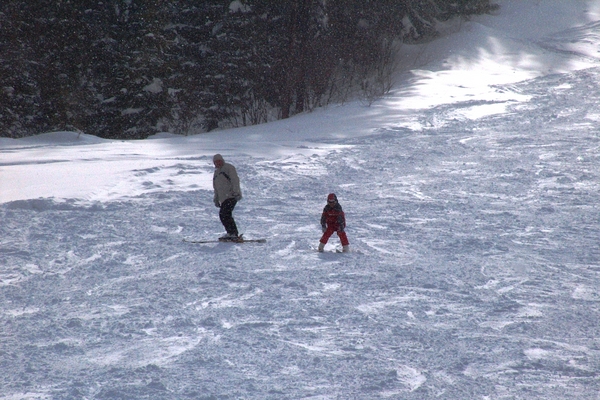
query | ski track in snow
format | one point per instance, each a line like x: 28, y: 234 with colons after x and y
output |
x: 474, y: 272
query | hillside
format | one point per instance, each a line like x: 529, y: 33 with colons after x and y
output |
x: 471, y: 195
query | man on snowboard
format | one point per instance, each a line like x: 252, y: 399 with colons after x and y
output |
x: 227, y: 193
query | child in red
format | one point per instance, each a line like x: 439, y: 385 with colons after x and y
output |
x: 333, y: 220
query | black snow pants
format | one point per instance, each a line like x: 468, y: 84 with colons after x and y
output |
x: 225, y: 214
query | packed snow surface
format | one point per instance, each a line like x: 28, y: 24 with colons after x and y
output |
x: 472, y: 198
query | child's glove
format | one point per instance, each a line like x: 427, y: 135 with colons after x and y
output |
x: 324, y: 228
x: 217, y: 204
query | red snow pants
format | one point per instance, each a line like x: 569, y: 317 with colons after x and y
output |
x: 329, y: 232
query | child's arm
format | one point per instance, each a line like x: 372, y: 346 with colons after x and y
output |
x: 341, y: 222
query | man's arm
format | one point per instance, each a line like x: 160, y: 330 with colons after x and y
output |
x: 235, y: 183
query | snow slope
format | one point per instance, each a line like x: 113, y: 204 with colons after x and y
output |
x: 471, y: 196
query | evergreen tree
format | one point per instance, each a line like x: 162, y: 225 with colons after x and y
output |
x: 130, y: 68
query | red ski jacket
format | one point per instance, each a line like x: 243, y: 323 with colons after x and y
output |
x: 333, y: 216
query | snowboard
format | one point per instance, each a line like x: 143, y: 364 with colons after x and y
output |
x: 330, y: 251
x: 336, y: 250
x: 241, y: 239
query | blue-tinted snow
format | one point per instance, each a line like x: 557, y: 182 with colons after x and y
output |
x: 472, y: 200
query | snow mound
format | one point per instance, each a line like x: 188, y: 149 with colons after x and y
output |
x: 63, y: 137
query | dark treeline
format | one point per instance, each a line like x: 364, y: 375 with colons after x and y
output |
x: 130, y: 68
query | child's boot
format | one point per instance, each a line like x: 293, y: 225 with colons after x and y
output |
x: 321, y: 247
x: 345, y: 249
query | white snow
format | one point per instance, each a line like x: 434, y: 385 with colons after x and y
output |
x: 471, y: 195
x: 156, y: 86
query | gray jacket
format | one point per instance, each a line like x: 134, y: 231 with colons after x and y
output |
x: 226, y: 184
